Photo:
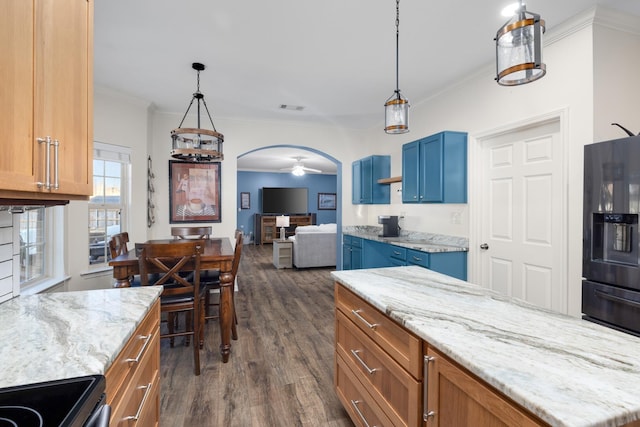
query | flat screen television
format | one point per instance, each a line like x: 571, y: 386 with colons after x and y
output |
x: 284, y: 200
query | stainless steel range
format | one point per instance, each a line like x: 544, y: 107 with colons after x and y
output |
x: 611, y: 236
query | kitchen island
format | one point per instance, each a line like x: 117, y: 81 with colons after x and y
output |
x: 557, y: 370
x: 111, y: 332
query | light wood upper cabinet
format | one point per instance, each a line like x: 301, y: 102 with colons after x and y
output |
x: 46, y: 91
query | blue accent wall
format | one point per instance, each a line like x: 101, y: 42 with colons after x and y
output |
x: 252, y: 183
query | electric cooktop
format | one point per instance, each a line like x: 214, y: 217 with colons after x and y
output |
x: 67, y: 402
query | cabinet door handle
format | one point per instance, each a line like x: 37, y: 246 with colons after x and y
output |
x: 147, y: 340
x: 369, y: 325
x: 426, y: 413
x: 147, y: 392
x: 354, y: 403
x: 47, y: 163
x: 56, y: 183
x: 362, y: 362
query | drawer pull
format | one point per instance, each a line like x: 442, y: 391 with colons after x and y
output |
x: 397, y: 253
x: 426, y: 414
x: 369, y: 325
x: 354, y: 403
x: 147, y: 392
x: 147, y: 339
x: 364, y: 365
x: 415, y: 258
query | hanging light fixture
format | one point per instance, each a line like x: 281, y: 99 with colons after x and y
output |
x: 519, y: 49
x: 396, y: 109
x: 196, y: 144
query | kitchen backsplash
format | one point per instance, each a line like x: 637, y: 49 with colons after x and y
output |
x: 6, y: 256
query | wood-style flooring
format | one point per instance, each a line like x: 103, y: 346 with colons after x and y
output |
x: 280, y: 372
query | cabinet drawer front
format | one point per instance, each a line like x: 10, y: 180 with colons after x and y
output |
x: 396, y: 392
x: 356, y: 400
x: 451, y: 388
x: 400, y: 344
x: 418, y: 258
x: 397, y: 252
x: 142, y: 343
x: 141, y: 398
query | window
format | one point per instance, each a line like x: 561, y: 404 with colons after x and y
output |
x: 32, y: 245
x: 41, y: 237
x: 107, y: 205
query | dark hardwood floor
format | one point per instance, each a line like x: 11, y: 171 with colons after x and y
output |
x: 280, y: 372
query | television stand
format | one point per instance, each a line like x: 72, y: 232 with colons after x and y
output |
x: 267, y: 231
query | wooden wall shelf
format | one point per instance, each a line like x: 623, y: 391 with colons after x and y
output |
x: 390, y: 180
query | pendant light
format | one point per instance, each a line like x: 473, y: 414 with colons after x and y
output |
x: 519, y: 49
x: 197, y: 144
x: 396, y: 109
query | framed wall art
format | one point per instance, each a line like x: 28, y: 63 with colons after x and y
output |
x: 326, y: 201
x: 194, y: 192
x: 245, y: 200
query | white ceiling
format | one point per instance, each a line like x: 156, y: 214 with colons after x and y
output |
x: 335, y: 58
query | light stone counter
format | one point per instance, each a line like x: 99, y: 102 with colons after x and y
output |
x: 68, y: 334
x: 567, y: 371
x: 425, y: 242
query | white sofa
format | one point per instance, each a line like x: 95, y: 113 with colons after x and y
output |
x: 314, y: 246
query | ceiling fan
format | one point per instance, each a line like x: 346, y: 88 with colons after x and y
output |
x: 299, y: 169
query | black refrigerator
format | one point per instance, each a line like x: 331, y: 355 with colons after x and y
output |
x: 611, y: 236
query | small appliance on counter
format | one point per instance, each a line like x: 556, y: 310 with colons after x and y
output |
x: 390, y: 226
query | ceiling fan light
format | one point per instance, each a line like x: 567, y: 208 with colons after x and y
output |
x: 297, y: 170
x: 519, y: 49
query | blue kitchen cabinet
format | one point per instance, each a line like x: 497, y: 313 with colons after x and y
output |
x: 452, y: 264
x: 365, y: 253
x: 374, y: 254
x: 365, y: 175
x: 351, y: 252
x: 434, y: 169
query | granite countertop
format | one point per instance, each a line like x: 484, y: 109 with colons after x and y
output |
x: 565, y: 370
x: 425, y: 242
x: 61, y: 335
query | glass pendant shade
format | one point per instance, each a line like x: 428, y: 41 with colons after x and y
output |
x: 396, y: 114
x: 197, y: 144
x: 519, y: 50
x: 396, y: 109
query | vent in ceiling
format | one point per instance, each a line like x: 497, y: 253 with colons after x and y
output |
x: 291, y: 107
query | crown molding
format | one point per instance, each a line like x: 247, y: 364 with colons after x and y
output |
x: 596, y: 15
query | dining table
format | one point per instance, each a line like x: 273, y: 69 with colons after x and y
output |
x: 217, y: 255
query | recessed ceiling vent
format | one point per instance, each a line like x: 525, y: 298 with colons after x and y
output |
x: 291, y: 107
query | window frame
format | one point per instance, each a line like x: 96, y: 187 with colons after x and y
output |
x: 119, y: 154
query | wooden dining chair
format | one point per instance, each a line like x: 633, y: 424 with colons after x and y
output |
x: 118, y: 244
x: 209, y: 279
x: 179, y: 294
x: 117, y: 247
x: 237, y: 254
x: 191, y: 232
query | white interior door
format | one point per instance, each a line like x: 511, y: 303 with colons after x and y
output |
x: 523, y: 217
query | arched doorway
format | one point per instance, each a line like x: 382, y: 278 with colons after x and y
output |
x: 263, y: 160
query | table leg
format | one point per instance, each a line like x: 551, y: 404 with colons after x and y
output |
x: 122, y: 277
x: 226, y: 314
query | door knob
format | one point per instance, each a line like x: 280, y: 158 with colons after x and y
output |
x: 484, y: 246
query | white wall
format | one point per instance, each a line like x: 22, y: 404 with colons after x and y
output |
x: 240, y: 137
x: 118, y: 120
x: 616, y: 75
x: 593, y: 95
